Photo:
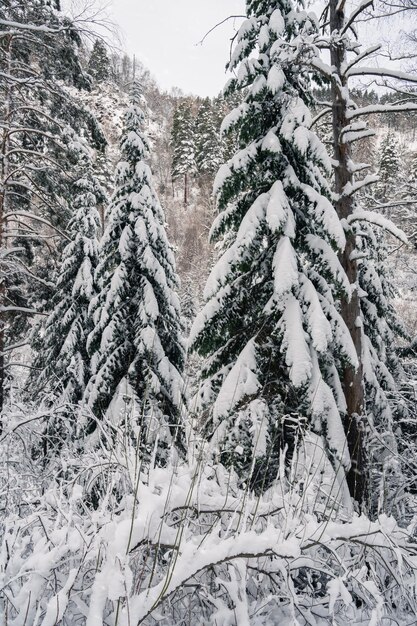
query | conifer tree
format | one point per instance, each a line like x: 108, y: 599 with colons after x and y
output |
x: 209, y: 149
x: 137, y: 328
x: 382, y: 368
x: 62, y: 359
x: 390, y: 168
x: 99, y: 62
x: 183, y: 142
x: 270, y: 330
x: 39, y: 59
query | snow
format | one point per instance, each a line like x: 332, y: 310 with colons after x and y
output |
x: 336, y: 589
x: 240, y: 383
x: 329, y: 257
x: 207, y: 313
x: 276, y: 79
x: 325, y: 212
x: 326, y: 413
x: 360, y: 215
x: 258, y: 85
x: 278, y: 207
x: 276, y: 22
x: 318, y: 325
x: 190, y: 562
x: 271, y: 143
x: 285, y: 268
x: 247, y: 233
x: 195, y: 526
x: 294, y: 344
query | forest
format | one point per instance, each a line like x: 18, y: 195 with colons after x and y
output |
x: 208, y: 348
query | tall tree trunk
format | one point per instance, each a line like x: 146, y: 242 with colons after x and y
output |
x: 352, y: 379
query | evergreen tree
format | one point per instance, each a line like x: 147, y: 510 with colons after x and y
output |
x: 39, y: 59
x: 99, y: 62
x: 390, y: 168
x: 209, y: 149
x: 137, y: 329
x: 270, y: 330
x: 412, y: 178
x: 382, y: 368
x: 63, y: 359
x: 183, y: 143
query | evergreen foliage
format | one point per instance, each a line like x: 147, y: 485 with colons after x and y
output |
x: 209, y: 148
x: 270, y: 329
x: 62, y: 360
x: 183, y: 145
x: 183, y: 141
x: 39, y: 61
x: 382, y: 367
x: 137, y: 334
x: 390, y: 168
x: 99, y: 62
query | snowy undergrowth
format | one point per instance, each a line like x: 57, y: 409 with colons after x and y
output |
x: 108, y: 543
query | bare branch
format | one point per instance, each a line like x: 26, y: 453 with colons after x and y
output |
x: 226, y: 19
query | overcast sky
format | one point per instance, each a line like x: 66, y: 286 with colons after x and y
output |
x: 164, y: 33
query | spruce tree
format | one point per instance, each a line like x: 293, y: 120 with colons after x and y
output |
x: 183, y: 143
x: 137, y: 328
x: 99, y: 62
x: 390, y: 168
x: 62, y: 359
x: 208, y: 144
x: 382, y: 367
x: 270, y: 329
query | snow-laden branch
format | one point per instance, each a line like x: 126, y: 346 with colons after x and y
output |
x: 32, y: 216
x: 351, y: 188
x: 355, y: 13
x: 20, y: 309
x: 390, y: 205
x: 322, y: 67
x: 14, y: 346
x: 381, y: 108
x: 371, y: 217
x: 355, y: 135
x: 195, y: 558
x: 24, y: 269
x: 383, y: 72
x: 363, y: 55
x: 319, y: 116
x: 16, y: 27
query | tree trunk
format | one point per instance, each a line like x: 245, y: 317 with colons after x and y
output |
x: 352, y: 379
x: 185, y: 189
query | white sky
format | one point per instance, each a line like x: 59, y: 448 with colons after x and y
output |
x: 163, y: 34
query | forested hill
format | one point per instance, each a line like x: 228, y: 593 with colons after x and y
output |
x: 208, y: 344
x: 187, y: 151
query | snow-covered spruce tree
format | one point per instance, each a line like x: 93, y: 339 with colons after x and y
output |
x: 389, y: 170
x: 99, y: 63
x: 270, y: 329
x: 382, y: 367
x: 183, y: 144
x: 137, y: 323
x: 208, y: 144
x: 62, y: 365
